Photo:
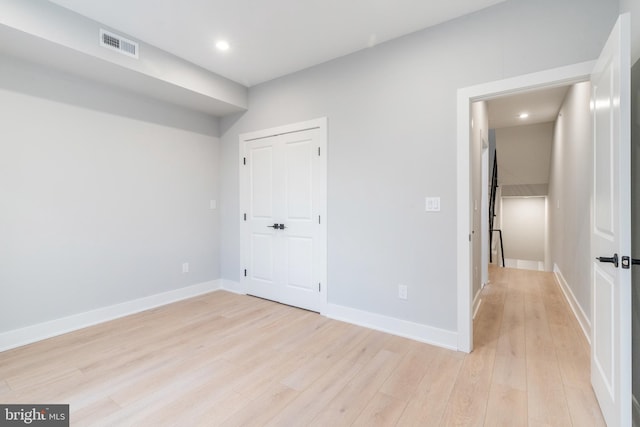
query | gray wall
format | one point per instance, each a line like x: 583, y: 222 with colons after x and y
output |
x: 569, y: 193
x: 524, y: 154
x: 635, y: 219
x: 523, y: 228
x: 392, y: 141
x: 100, y: 204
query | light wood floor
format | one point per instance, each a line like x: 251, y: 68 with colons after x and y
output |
x: 230, y: 360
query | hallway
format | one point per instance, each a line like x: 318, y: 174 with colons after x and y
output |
x: 531, y: 359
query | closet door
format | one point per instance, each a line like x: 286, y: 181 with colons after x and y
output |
x: 281, y: 237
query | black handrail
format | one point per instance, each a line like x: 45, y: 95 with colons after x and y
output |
x: 492, y: 206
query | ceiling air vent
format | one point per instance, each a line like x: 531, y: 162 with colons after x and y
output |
x: 118, y: 43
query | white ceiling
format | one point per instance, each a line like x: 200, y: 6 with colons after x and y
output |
x: 268, y: 38
x: 542, y: 105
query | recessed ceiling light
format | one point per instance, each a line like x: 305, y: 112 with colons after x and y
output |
x: 523, y: 115
x: 222, y: 45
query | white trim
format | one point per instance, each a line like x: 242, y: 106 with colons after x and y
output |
x: 555, y: 77
x: 232, y: 286
x: 281, y: 130
x: 477, y: 301
x: 578, y: 312
x: 392, y: 325
x: 636, y: 412
x: 320, y: 124
x: 41, y: 331
x: 524, y: 264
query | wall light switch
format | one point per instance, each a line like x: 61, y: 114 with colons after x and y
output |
x: 432, y: 204
x: 212, y: 204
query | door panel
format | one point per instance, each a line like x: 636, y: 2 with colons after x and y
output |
x: 300, y: 263
x: 261, y: 181
x: 604, y: 323
x: 611, y: 229
x: 604, y: 170
x: 262, y: 252
x: 299, y: 179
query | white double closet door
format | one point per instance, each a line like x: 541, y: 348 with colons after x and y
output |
x: 283, y: 238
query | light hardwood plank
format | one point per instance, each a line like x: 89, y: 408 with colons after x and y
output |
x: 4, y: 388
x: 547, y: 402
x: 405, y: 379
x: 88, y: 415
x: 427, y: 407
x: 310, y: 402
x: 502, y: 397
x: 382, y: 410
x: 510, y: 364
x: 356, y: 394
x: 583, y: 407
x: 261, y: 409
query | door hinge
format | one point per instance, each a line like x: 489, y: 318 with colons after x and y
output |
x: 319, y: 287
x: 318, y: 151
x: 245, y: 217
x: 244, y: 160
x: 469, y: 237
x: 245, y: 272
x: 319, y: 222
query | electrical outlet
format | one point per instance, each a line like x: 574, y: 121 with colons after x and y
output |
x: 402, y: 291
x: 185, y: 267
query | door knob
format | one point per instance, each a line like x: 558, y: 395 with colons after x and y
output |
x: 613, y: 260
x: 277, y: 226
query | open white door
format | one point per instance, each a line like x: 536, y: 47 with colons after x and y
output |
x: 611, y: 229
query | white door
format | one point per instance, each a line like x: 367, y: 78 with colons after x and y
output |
x: 611, y: 233
x: 282, y: 228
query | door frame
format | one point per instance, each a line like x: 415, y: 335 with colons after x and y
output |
x: 466, y: 96
x: 320, y: 124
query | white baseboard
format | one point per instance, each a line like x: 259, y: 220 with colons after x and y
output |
x: 524, y: 264
x: 41, y: 331
x: 636, y: 412
x: 583, y: 320
x: 232, y: 286
x: 392, y: 325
